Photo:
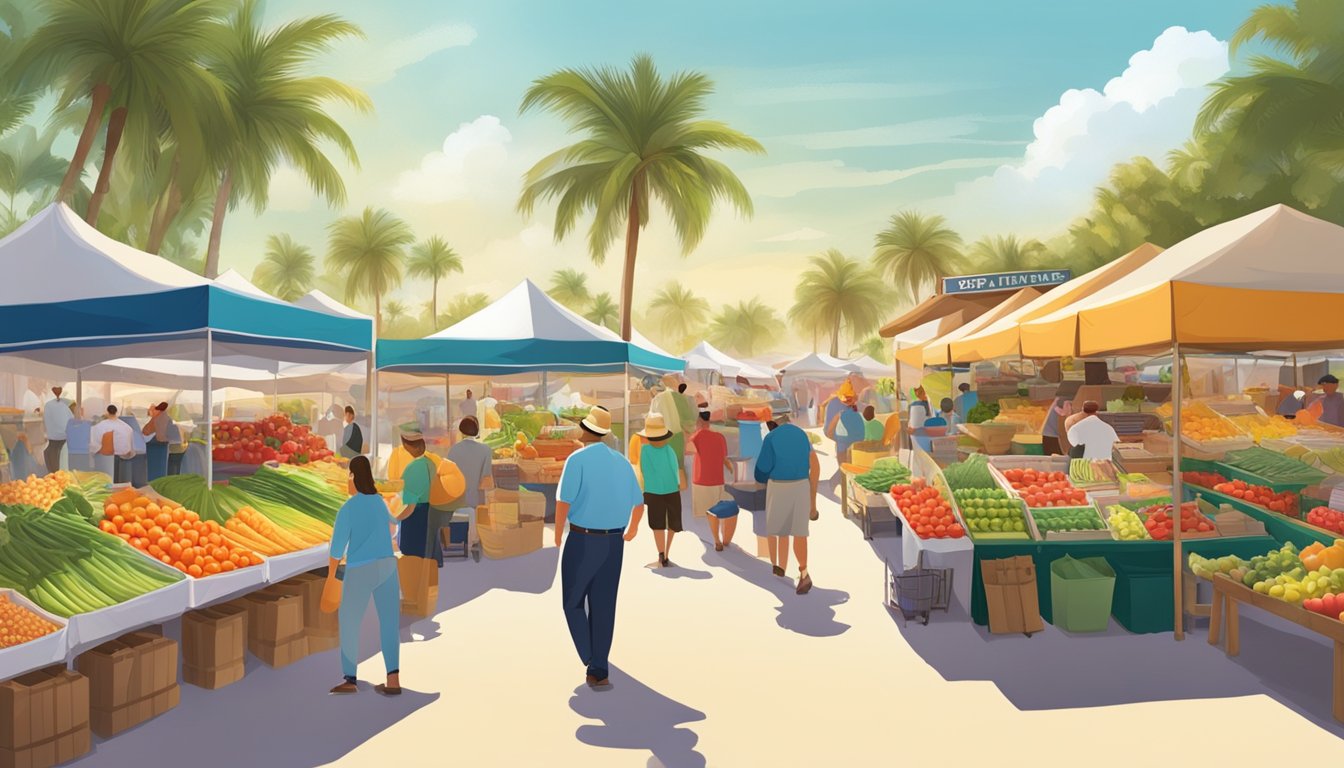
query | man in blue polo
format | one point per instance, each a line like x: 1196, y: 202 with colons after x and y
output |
x: 601, y: 499
x: 788, y: 468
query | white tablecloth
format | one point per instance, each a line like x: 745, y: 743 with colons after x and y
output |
x: 957, y: 554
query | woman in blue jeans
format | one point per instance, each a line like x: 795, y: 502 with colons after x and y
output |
x: 363, y: 537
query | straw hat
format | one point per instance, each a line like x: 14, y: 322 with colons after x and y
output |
x: 411, y: 432
x: 598, y: 420
x: 655, y: 427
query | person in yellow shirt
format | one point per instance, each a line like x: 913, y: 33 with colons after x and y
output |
x: 435, y: 487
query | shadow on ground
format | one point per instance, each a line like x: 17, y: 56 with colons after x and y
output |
x: 636, y: 717
x: 812, y: 614
x: 1055, y: 669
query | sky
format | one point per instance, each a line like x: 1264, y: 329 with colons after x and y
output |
x: 1002, y: 116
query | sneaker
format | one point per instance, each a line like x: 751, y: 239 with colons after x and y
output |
x: 598, y: 685
x: 804, y: 584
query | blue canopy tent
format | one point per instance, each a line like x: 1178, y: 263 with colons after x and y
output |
x: 75, y: 298
x: 525, y: 331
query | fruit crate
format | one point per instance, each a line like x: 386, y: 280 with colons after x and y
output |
x: 1025, y: 535
x: 1116, y: 534
x: 1101, y: 534
x: 1038, y: 463
x: 1185, y: 535
x: 1105, y: 475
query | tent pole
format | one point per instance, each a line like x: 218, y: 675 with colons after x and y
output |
x: 79, y: 387
x: 1296, y: 382
x: 207, y: 395
x: 371, y: 401
x: 448, y: 404
x: 1177, y: 488
x: 275, y: 390
x: 625, y: 413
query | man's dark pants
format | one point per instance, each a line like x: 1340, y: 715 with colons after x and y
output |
x: 590, y: 573
x: 51, y: 456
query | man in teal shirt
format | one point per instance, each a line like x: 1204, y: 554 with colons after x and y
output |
x: 600, y: 498
x: 788, y: 467
x: 663, y: 481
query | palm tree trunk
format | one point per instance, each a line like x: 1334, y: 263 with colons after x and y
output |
x: 377, y: 315
x: 115, y: 125
x: 434, y: 306
x: 217, y: 224
x: 631, y: 250
x: 835, y: 338
x: 98, y: 102
x: 165, y: 213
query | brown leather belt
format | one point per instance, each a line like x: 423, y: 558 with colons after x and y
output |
x: 593, y: 532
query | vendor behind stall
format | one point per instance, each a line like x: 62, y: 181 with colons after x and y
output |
x: 1060, y: 409
x: 1331, y: 404
x: 1091, y: 437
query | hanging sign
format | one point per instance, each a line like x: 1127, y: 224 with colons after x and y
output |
x: 1005, y: 281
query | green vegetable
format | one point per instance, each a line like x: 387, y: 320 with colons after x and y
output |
x: 971, y: 473
x: 884, y: 473
x: 296, y: 489
x: 991, y: 511
x: 67, y: 566
x: 530, y: 424
x: 1272, y: 466
x: 982, y: 412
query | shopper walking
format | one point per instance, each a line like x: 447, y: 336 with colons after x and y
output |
x: 56, y: 414
x: 111, y: 441
x: 468, y: 406
x: 362, y: 537
x: 429, y: 483
x: 156, y: 432
x: 600, y: 499
x: 352, y: 437
x: 664, y: 480
x: 670, y: 404
x: 788, y: 467
x: 708, y: 470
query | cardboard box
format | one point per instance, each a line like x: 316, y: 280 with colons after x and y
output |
x: 113, y: 675
x: 131, y: 680
x: 109, y: 723
x: 214, y: 643
x: 44, y: 718
x: 321, y: 629
x: 275, y: 632
x: 1010, y: 593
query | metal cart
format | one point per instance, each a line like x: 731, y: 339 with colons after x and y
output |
x: 919, y: 591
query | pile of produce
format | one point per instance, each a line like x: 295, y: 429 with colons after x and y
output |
x: 1231, y: 565
x: 1124, y: 406
x: 1272, y: 465
x: 1317, y: 555
x: 1126, y: 524
x: 1327, y: 518
x: 1201, y: 423
x: 971, y: 473
x: 19, y: 625
x: 1063, y: 520
x: 292, y: 488
x: 926, y: 511
x: 40, y: 492
x: 172, y: 535
x: 1136, y: 485
x: 333, y: 474
x: 1091, y: 472
x: 981, y: 412
x: 1031, y: 415
x: 1203, y: 479
x: 1283, y: 502
x: 884, y: 473
x: 1328, y: 460
x: 1316, y: 571
x: 1157, y: 519
x: 1331, y: 605
x: 60, y: 562
x: 990, y: 511
x: 1045, y: 489
x: 260, y: 532
x: 1266, y: 567
x: 274, y: 438
x: 1264, y: 427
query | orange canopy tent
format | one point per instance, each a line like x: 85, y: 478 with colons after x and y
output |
x: 937, y: 352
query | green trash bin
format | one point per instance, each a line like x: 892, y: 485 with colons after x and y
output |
x: 1143, y: 598
x: 1080, y: 593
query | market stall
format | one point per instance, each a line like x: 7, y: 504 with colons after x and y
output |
x: 527, y: 335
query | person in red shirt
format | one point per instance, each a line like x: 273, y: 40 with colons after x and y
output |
x: 707, y: 474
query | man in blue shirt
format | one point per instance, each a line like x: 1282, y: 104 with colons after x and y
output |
x: 788, y: 467
x: 600, y: 497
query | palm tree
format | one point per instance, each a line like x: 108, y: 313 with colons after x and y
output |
x: 875, y: 347
x: 747, y: 329
x: 463, y: 306
x: 604, y: 312
x: 27, y: 165
x: 140, y: 59
x: 916, y: 250
x: 1005, y: 253
x: 287, y: 271
x: 644, y: 137
x: 570, y: 288
x: 277, y: 111
x: 370, y: 249
x: 835, y: 292
x: 18, y: 95
x: 680, y: 314
x: 395, y: 311
x: 434, y: 260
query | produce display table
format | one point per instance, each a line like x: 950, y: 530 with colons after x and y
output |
x: 1228, y: 595
x: 957, y: 554
x: 549, y: 490
x: 281, y: 567
x: 1145, y: 558
x: 1279, y: 526
x: 857, y: 501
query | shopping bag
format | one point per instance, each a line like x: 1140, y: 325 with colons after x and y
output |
x: 419, y: 577
x: 331, y: 591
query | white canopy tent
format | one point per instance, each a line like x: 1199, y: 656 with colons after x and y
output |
x: 705, y: 357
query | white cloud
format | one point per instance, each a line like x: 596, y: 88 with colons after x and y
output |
x: 367, y: 63
x: 1147, y: 110
x: 806, y: 233
x: 788, y: 179
x: 939, y: 130
x: 474, y: 160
